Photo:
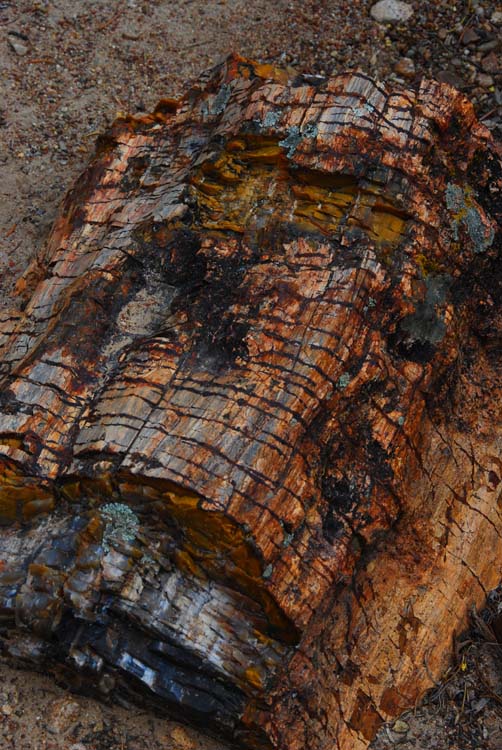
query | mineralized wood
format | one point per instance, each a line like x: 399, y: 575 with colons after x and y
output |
x: 250, y: 410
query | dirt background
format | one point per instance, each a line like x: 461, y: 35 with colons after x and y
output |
x: 67, y: 67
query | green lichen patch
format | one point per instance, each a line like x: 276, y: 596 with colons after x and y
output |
x: 121, y: 525
x: 268, y: 572
x: 455, y: 199
x: 291, y: 141
x: 295, y: 136
x: 271, y: 119
x: 363, y: 111
x: 462, y: 205
x: 481, y: 239
x: 343, y: 380
x: 310, y: 130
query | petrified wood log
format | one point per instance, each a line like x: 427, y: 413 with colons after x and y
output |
x: 250, y: 412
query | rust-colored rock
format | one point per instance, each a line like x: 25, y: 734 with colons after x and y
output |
x: 250, y: 411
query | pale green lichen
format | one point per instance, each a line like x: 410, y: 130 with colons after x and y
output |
x: 268, y: 571
x: 147, y: 559
x: 310, y: 130
x: 477, y: 230
x: 288, y: 538
x: 364, y: 110
x: 370, y: 305
x: 455, y: 199
x: 460, y: 202
x: 343, y: 380
x: 291, y: 141
x: 295, y: 136
x: 121, y: 525
x: 271, y: 119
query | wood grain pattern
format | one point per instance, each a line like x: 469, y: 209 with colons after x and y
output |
x: 250, y: 411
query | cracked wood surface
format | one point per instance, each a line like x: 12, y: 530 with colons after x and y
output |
x: 250, y: 410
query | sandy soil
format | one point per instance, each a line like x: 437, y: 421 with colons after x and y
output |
x: 66, y: 68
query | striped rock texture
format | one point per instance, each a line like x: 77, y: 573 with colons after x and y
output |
x: 250, y: 408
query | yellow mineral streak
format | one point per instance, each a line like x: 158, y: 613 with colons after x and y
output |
x: 21, y: 498
x: 233, y: 188
x: 254, y: 677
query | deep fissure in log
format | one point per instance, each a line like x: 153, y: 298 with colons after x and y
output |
x: 249, y: 434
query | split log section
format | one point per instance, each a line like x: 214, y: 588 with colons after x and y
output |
x: 250, y: 412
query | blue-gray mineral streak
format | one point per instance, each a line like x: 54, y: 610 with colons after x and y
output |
x: 221, y: 99
x: 425, y: 325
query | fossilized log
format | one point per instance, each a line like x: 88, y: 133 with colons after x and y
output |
x: 249, y: 462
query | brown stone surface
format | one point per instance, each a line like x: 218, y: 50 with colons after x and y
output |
x: 266, y: 324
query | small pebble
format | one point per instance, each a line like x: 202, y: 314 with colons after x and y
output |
x: 447, y: 76
x: 489, y: 46
x: 405, y: 67
x: 391, y: 11
x: 491, y: 63
x: 400, y: 726
x: 496, y: 17
x: 485, y: 80
x: 469, y: 36
x: 63, y: 715
x: 18, y: 47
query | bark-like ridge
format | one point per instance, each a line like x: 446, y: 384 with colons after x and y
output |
x: 249, y: 408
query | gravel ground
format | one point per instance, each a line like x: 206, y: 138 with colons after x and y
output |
x: 66, y: 68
